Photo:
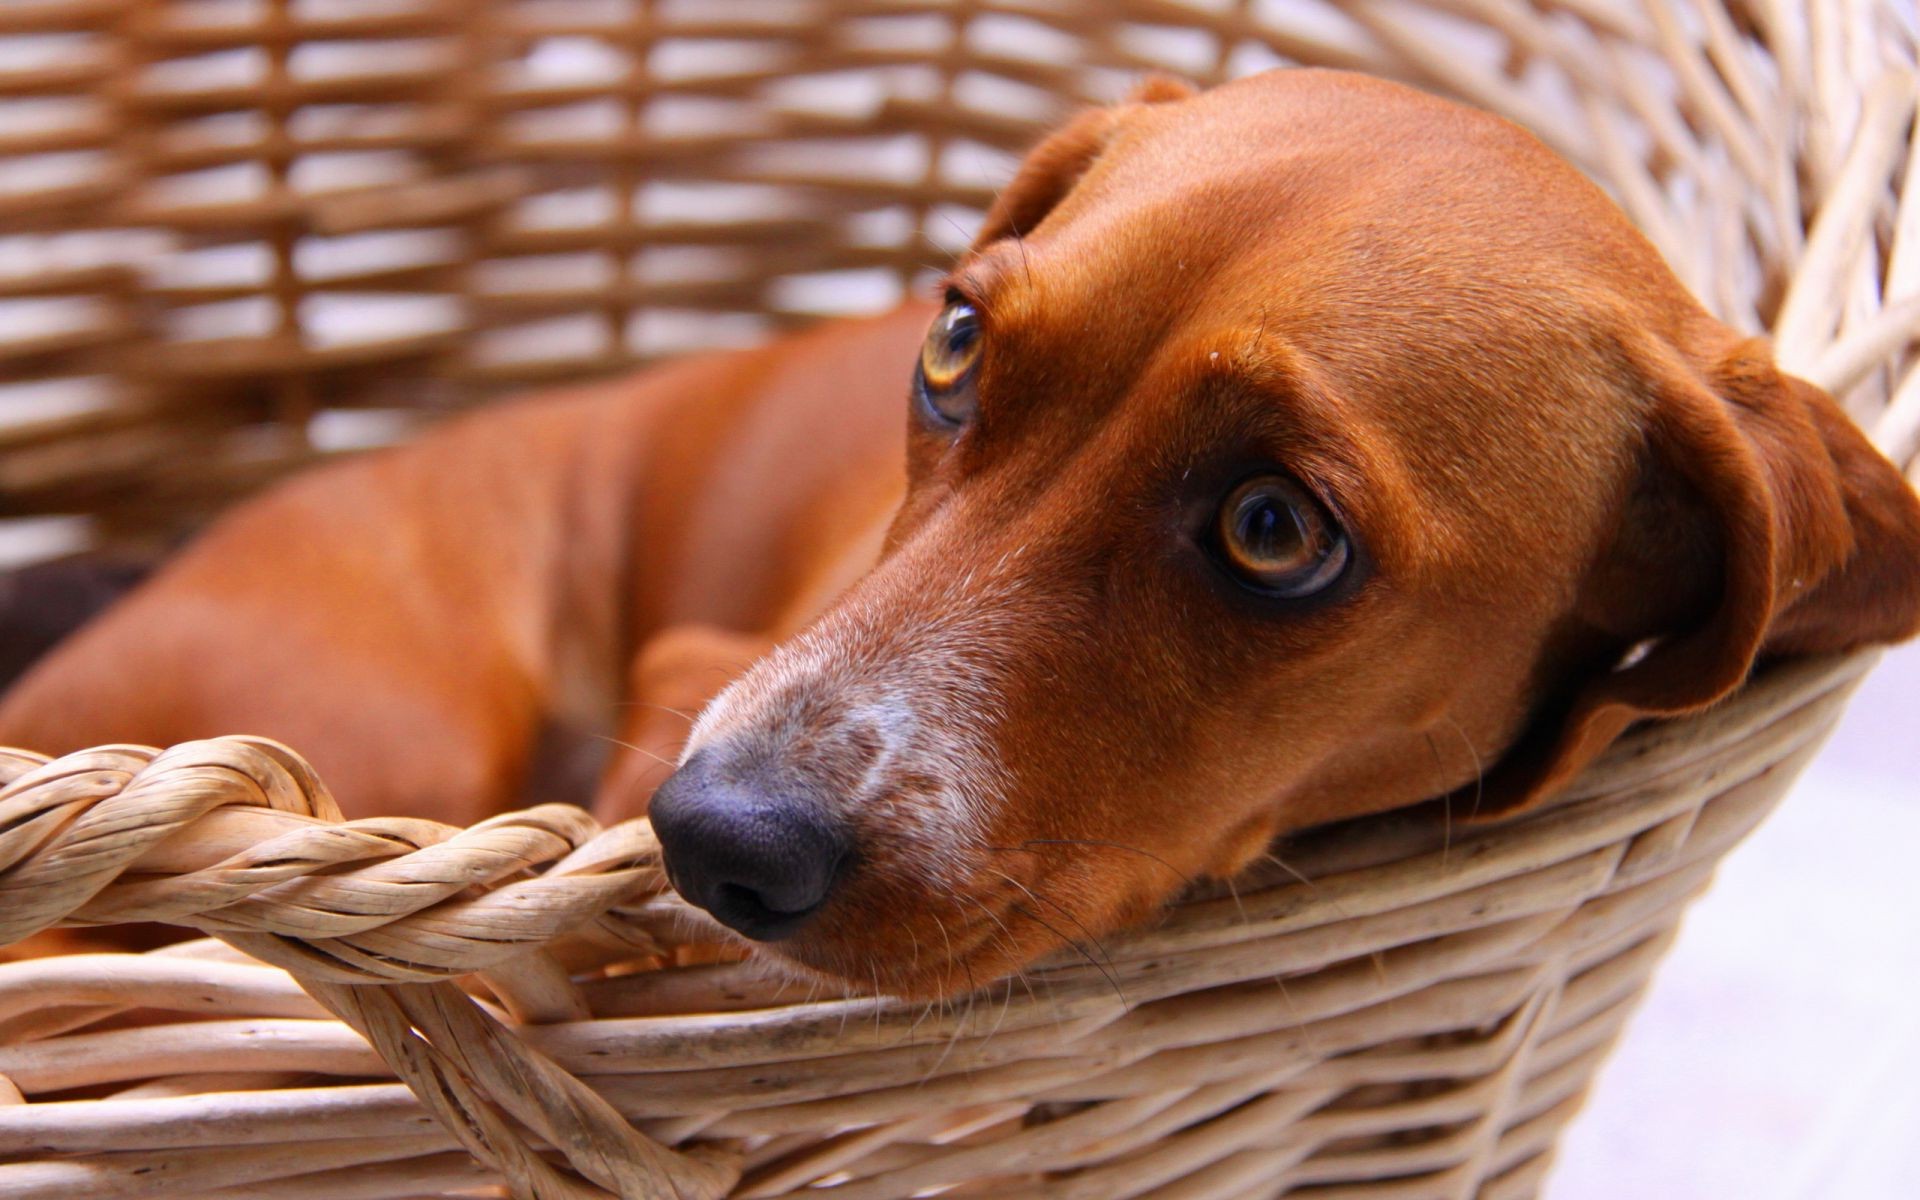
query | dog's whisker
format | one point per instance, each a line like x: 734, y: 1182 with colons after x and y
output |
x: 926, y: 1010
x: 1303, y: 1027
x: 1305, y: 880
x: 1009, y: 943
x: 1234, y: 891
x: 1298, y: 875
x: 682, y: 713
x: 959, y: 1025
x: 946, y: 940
x: 1063, y: 911
x: 1006, y: 1005
x: 957, y: 228
x: 1182, y: 875
x: 665, y: 762
x: 1113, y: 980
x: 1479, y: 765
x: 1446, y: 816
x: 945, y: 1001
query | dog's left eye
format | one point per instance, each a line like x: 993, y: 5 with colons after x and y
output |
x: 1275, y: 537
x: 947, y: 360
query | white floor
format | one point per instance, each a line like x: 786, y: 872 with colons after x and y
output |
x: 1778, y: 1055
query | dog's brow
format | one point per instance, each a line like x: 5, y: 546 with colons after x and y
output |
x: 982, y: 274
x: 1301, y: 411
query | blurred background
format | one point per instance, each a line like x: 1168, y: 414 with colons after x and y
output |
x: 1777, y: 1056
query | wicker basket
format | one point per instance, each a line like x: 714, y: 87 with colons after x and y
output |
x: 237, y: 235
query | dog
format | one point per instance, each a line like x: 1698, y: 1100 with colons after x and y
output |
x: 1278, y: 454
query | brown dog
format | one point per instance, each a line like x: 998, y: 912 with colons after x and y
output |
x: 1277, y: 454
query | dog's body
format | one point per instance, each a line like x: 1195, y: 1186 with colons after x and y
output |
x: 1303, y: 449
x: 423, y: 623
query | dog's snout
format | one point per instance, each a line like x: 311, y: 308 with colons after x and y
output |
x: 760, y: 861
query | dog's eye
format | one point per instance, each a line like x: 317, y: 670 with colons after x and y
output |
x: 947, y: 360
x: 1273, y: 535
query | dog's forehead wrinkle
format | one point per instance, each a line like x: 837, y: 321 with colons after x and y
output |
x: 1070, y: 309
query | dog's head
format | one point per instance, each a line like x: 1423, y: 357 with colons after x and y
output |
x: 1301, y: 449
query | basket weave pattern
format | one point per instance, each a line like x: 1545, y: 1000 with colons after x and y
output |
x: 237, y: 235
x: 1405, y: 1004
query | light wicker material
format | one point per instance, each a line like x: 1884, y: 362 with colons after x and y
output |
x: 1422, y: 1006
x: 1406, y: 1008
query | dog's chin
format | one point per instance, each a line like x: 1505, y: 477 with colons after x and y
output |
x: 902, y: 934
x: 912, y: 959
x: 865, y: 966
x: 852, y: 974
x: 922, y: 958
x: 880, y: 974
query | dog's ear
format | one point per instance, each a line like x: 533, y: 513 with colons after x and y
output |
x: 1762, y: 522
x: 1051, y: 168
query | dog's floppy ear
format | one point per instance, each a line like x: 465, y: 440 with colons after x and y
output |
x: 1762, y: 522
x: 1051, y: 168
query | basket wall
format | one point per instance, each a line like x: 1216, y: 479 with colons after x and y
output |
x: 1406, y: 1009
x: 236, y: 235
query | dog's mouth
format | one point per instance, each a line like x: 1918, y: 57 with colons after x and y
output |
x: 902, y: 934
x: 935, y: 962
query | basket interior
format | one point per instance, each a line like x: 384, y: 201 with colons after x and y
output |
x: 236, y: 235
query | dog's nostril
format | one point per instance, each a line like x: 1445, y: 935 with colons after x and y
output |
x: 743, y: 899
x: 761, y: 864
x: 752, y: 912
x: 767, y: 896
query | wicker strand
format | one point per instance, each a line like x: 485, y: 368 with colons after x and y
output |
x: 381, y: 899
x: 1352, y: 943
x: 477, y: 1080
x: 348, y: 907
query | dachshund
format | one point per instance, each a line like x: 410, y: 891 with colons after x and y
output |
x: 1278, y: 454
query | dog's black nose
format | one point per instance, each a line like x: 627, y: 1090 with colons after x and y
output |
x: 760, y: 861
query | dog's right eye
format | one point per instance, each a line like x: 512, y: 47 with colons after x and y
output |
x: 943, y: 378
x: 1277, y: 539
